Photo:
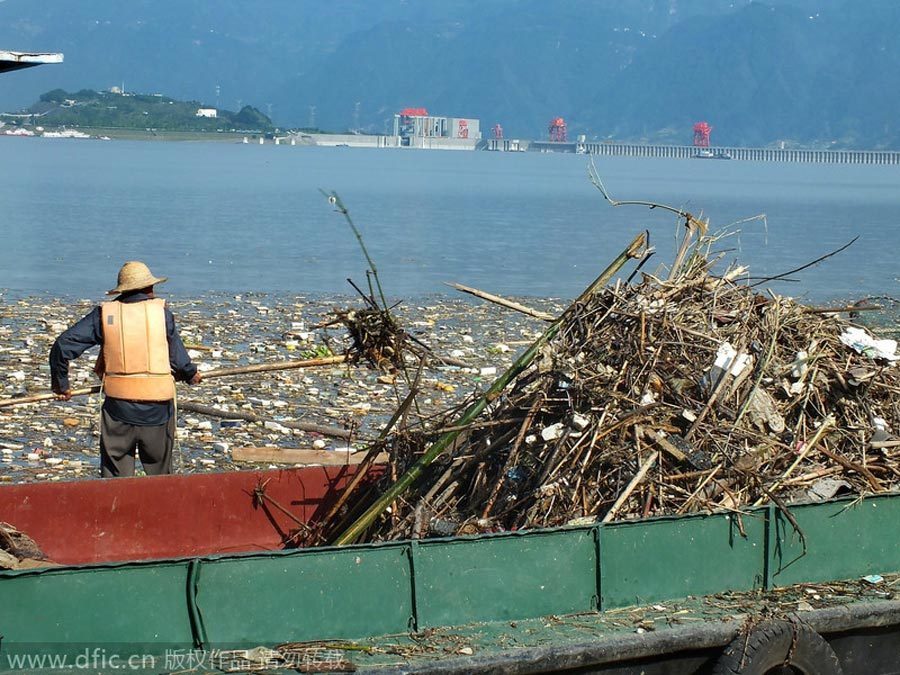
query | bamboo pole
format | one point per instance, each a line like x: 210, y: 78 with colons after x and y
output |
x: 209, y: 375
x: 352, y: 533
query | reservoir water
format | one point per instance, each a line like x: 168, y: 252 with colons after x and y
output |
x: 235, y: 218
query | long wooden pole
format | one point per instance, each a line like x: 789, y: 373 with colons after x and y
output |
x: 503, y: 302
x: 352, y: 533
x: 47, y: 397
x: 278, y: 365
x: 209, y: 375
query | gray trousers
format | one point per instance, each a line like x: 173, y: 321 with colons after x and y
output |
x: 119, y: 440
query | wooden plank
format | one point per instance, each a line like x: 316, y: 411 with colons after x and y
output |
x: 307, y: 456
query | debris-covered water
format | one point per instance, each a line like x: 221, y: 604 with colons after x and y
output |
x: 60, y: 440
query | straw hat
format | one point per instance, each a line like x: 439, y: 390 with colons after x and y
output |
x: 134, y: 276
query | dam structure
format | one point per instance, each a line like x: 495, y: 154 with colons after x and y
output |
x: 606, y: 149
x: 600, y: 149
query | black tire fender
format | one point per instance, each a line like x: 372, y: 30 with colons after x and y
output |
x: 773, y: 644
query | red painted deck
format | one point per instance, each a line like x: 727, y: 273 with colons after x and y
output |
x: 116, y: 519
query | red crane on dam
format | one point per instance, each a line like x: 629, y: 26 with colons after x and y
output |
x: 558, y: 130
x: 702, y: 130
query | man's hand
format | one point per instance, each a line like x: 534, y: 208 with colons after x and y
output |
x: 196, y: 379
x: 63, y: 395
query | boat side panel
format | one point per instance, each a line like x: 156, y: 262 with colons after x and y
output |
x: 843, y: 540
x: 543, y: 573
x: 649, y: 561
x: 308, y: 595
x: 167, y: 516
x: 135, y: 608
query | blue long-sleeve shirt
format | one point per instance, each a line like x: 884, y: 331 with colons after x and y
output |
x: 87, y: 333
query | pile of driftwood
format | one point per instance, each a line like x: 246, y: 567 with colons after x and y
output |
x: 376, y: 337
x: 663, y: 396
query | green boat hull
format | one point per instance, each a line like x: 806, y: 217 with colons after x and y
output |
x: 355, y: 592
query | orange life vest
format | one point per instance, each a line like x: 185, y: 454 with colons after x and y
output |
x: 136, y: 351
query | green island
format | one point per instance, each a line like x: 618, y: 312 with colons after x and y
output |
x: 121, y: 114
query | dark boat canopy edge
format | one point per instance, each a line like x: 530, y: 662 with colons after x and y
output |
x: 17, y: 60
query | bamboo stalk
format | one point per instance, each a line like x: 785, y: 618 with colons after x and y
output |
x: 884, y: 445
x: 352, y: 533
x: 503, y: 302
x: 841, y: 310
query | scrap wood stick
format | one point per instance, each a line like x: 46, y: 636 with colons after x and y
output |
x: 659, y: 439
x: 352, y: 533
x: 503, y: 302
x: 709, y: 477
x: 853, y: 466
x: 841, y: 310
x: 211, y: 374
x: 513, y: 454
x: 210, y: 411
x: 826, y: 425
x: 884, y: 445
x: 626, y: 493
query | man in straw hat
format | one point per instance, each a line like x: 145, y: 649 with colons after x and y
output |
x: 141, y: 357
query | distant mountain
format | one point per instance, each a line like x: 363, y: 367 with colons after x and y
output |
x: 821, y: 72
x: 766, y: 73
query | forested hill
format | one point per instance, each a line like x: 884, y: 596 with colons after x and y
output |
x: 88, y: 108
x: 814, y: 72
